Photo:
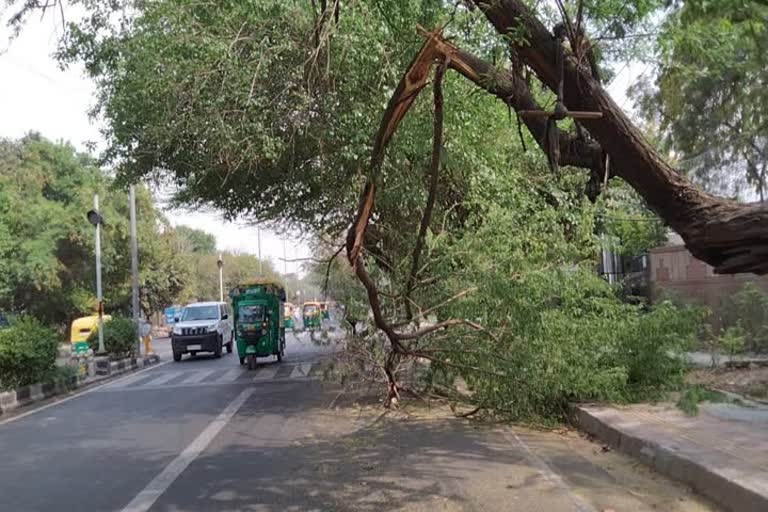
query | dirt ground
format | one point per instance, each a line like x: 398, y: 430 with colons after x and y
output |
x: 496, y: 466
x: 750, y: 382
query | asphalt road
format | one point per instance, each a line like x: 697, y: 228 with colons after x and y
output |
x: 208, y: 435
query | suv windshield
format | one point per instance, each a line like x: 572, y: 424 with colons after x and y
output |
x: 200, y: 313
x: 251, y: 314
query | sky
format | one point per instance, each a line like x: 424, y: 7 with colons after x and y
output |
x: 35, y: 94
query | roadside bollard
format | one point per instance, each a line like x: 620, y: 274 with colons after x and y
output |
x: 147, y: 348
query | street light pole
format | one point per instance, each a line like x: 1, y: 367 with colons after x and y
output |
x: 134, y: 267
x: 220, y: 264
x: 261, y: 266
x: 285, y: 269
x: 99, y: 296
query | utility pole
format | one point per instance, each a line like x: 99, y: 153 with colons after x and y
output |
x: 94, y: 217
x: 285, y: 268
x: 134, y: 267
x: 261, y: 265
x: 220, y: 264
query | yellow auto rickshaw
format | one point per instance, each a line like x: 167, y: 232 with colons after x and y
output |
x: 82, y: 329
x: 288, y: 315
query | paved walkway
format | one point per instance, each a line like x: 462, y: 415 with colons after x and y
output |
x: 722, y: 452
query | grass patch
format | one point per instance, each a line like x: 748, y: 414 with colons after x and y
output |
x: 690, y: 399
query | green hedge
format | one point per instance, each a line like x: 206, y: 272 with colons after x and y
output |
x: 27, y: 353
x: 120, y: 337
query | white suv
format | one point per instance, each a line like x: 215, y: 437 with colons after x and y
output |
x: 202, y: 327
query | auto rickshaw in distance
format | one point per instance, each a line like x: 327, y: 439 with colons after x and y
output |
x: 325, y: 313
x: 258, y: 308
x: 289, y: 309
x: 311, y: 315
x: 81, y: 329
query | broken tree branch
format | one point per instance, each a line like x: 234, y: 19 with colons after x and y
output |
x: 434, y: 174
x: 730, y: 236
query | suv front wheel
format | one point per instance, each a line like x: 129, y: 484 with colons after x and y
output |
x: 219, y: 349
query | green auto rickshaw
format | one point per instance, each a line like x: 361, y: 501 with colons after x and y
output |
x: 311, y: 315
x: 258, y: 308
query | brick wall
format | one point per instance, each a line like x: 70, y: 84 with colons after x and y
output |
x: 674, y: 269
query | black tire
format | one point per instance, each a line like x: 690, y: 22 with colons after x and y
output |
x: 279, y: 356
x: 229, y: 348
x: 176, y: 357
x: 217, y: 352
x: 242, y: 360
x: 251, y: 362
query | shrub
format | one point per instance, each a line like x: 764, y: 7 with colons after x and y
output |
x: 27, y: 353
x: 750, y: 310
x: 120, y: 337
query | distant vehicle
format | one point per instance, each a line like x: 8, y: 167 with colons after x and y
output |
x: 203, y: 327
x: 259, y: 320
x: 172, y: 313
x: 288, y: 315
x: 81, y: 329
x: 311, y: 315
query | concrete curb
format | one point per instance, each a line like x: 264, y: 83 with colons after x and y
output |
x: 26, y: 395
x: 705, y: 471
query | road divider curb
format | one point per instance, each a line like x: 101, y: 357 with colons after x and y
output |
x: 724, y: 479
x: 105, y: 369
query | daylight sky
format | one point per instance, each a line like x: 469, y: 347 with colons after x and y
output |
x: 36, y: 95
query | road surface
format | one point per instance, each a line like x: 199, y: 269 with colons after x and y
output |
x: 206, y: 434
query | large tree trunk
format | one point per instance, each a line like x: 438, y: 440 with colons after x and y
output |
x: 730, y: 236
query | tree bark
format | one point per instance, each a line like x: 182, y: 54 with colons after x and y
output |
x: 730, y: 236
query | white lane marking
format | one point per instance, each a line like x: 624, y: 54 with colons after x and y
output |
x: 132, y: 379
x: 77, y: 395
x: 543, y: 468
x: 197, y: 377
x: 301, y: 370
x: 154, y: 489
x: 230, y: 376
x: 162, y: 379
x: 265, y: 374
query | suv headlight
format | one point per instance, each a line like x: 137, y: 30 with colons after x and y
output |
x: 176, y: 329
x: 211, y: 328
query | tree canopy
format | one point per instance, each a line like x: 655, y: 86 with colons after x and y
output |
x: 709, y: 92
x: 47, y: 244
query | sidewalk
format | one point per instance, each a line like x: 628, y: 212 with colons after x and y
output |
x: 722, y: 453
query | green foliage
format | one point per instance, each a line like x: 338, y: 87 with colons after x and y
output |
x: 691, y: 398
x: 192, y: 240
x: 27, y: 353
x: 120, y: 337
x: 732, y: 339
x: 749, y: 313
x: 63, y: 377
x: 46, y: 243
x: 557, y: 332
x: 709, y: 95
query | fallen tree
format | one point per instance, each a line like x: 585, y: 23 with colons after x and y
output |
x: 730, y: 236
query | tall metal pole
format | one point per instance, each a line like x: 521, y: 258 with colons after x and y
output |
x: 99, y: 296
x: 134, y: 267
x: 220, y: 264
x: 285, y: 269
x: 261, y: 266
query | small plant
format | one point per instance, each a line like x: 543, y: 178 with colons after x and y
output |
x: 732, y: 340
x: 689, y: 401
x: 120, y: 337
x: 63, y: 376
